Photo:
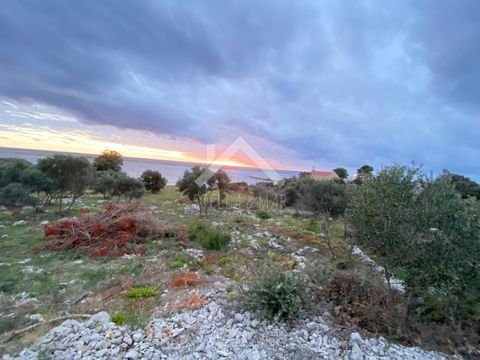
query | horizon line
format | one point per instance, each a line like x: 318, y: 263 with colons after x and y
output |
x: 144, y: 158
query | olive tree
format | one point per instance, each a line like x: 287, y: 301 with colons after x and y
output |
x: 341, y: 172
x: 69, y: 175
x: 220, y: 181
x: 15, y: 195
x: 118, y: 184
x: 108, y: 160
x: 382, y: 215
x: 465, y: 186
x: 196, y: 184
x: 326, y: 199
x: 423, y: 229
x: 21, y: 183
x: 153, y: 181
x: 128, y: 187
x: 105, y: 182
x: 363, y: 172
x: 11, y: 169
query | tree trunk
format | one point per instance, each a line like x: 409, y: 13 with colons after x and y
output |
x: 324, y: 222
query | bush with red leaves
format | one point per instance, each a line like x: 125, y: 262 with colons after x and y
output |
x: 117, y: 230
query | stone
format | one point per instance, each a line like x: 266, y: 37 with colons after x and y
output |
x: 101, y: 317
x: 127, y: 339
x: 131, y: 354
x: 137, y: 337
x: 36, y: 317
x: 355, y: 353
x: 238, y: 317
x: 356, y: 338
x: 214, y: 331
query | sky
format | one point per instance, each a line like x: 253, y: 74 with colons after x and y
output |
x: 306, y: 83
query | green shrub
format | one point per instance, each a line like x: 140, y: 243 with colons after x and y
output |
x: 194, y: 264
x: 224, y: 260
x: 208, y: 270
x: 135, y: 318
x: 175, y: 264
x: 119, y: 318
x: 209, y: 237
x: 263, y: 214
x: 277, y: 294
x: 141, y: 292
x: 312, y: 225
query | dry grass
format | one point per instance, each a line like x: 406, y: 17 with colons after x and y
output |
x: 116, y: 230
x: 194, y: 301
x: 185, y: 279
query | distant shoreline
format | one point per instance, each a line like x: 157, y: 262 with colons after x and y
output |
x: 88, y: 155
x: 171, y: 170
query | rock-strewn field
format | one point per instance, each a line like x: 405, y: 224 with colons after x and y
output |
x: 216, y: 331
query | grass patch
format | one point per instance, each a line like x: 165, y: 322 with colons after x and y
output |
x: 182, y: 259
x: 131, y: 269
x: 93, y: 277
x: 209, y: 237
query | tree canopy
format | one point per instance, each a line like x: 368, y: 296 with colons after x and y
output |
x: 430, y: 235
x: 341, y: 172
x: 69, y: 175
x: 108, y: 160
x: 153, y: 181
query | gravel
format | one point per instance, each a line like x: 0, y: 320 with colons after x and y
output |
x: 217, y: 331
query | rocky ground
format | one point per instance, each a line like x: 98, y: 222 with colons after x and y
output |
x: 216, y: 331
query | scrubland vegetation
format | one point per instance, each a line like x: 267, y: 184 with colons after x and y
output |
x: 137, y: 247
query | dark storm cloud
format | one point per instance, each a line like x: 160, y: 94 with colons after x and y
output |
x: 339, y: 82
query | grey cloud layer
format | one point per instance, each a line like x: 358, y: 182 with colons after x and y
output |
x: 344, y: 82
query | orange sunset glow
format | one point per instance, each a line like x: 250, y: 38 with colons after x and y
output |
x: 81, y: 142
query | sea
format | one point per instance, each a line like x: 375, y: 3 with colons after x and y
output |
x: 171, y: 170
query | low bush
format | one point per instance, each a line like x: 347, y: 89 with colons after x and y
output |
x: 367, y: 302
x: 224, y: 260
x: 263, y: 214
x: 141, y: 292
x: 119, y: 318
x: 209, y: 237
x: 312, y: 225
x: 137, y: 319
x: 276, y: 293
